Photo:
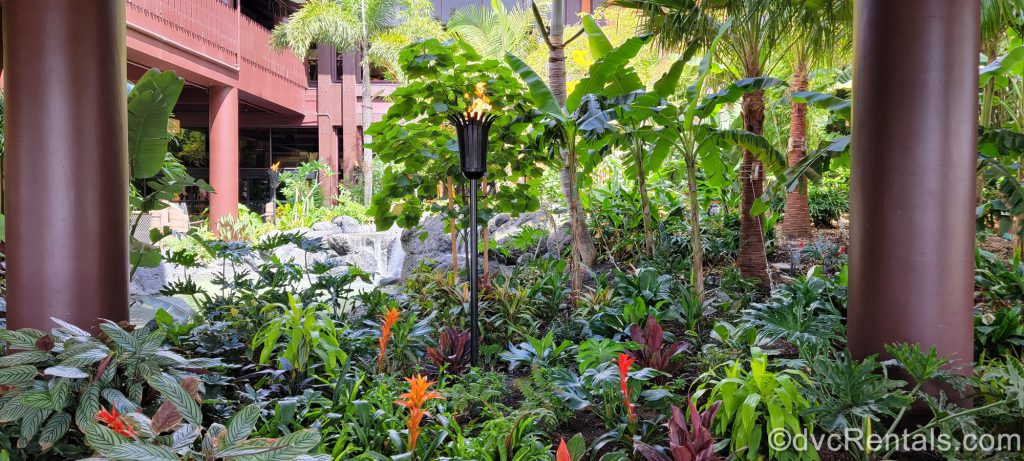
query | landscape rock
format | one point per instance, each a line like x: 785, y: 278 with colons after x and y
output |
x: 338, y: 244
x: 326, y: 227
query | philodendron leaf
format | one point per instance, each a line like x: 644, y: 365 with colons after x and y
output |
x: 177, y: 395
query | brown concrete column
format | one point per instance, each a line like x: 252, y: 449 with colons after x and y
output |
x: 351, y: 141
x: 328, y: 153
x: 67, y: 161
x: 328, y: 104
x: 915, y: 101
x: 223, y: 153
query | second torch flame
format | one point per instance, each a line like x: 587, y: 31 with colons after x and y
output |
x: 479, y: 104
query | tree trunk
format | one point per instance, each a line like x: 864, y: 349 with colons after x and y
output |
x: 367, y: 120
x: 584, y: 253
x: 796, y: 224
x: 752, y: 261
x: 645, y: 202
x: 698, y: 245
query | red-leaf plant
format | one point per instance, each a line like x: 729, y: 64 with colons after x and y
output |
x: 451, y: 351
x: 693, y: 443
x: 653, y: 353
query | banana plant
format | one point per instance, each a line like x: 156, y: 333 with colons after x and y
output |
x: 1001, y: 144
x: 576, y: 129
x: 150, y: 102
x: 691, y: 129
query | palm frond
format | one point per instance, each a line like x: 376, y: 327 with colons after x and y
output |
x: 318, y: 21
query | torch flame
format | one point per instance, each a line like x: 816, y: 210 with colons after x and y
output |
x: 480, y: 104
x: 276, y: 166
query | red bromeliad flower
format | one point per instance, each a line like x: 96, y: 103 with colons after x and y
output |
x: 414, y: 400
x: 114, y: 422
x: 563, y: 452
x: 388, y: 319
x: 624, y: 362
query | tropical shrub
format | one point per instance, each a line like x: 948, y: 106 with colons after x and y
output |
x: 136, y: 437
x: 686, y: 442
x: 653, y: 352
x: 61, y: 378
x: 756, y: 402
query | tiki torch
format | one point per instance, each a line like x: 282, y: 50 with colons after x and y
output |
x: 472, y: 128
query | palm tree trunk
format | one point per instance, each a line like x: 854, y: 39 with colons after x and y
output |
x: 796, y: 224
x: 367, y: 120
x: 696, y: 243
x: 752, y: 261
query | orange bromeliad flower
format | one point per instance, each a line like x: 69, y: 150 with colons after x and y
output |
x: 413, y: 401
x: 624, y: 362
x: 563, y: 452
x: 114, y: 422
x: 388, y: 319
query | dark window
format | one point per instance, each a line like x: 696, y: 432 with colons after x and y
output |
x: 292, y: 146
x: 254, y: 148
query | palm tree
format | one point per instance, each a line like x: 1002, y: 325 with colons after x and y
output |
x: 496, y: 31
x: 822, y: 32
x: 752, y: 47
x: 367, y: 27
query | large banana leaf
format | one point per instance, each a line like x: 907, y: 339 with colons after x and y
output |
x: 666, y: 85
x: 695, y: 89
x: 596, y: 39
x: 607, y: 70
x: 817, y: 162
x: 542, y: 97
x: 756, y: 144
x: 734, y: 92
x: 1009, y: 62
x: 839, y: 106
x: 150, y: 103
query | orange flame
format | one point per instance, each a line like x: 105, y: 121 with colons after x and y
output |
x: 414, y: 400
x: 276, y: 166
x: 479, y: 104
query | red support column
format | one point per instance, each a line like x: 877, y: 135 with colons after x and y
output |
x: 329, y: 109
x: 223, y: 153
x: 351, y: 142
x: 915, y: 103
x: 67, y: 161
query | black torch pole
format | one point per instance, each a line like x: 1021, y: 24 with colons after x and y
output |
x: 474, y: 332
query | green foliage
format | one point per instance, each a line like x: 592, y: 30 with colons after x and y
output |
x: 295, y: 334
x: 756, y: 402
x: 420, y: 149
x: 829, y: 199
x: 807, y: 313
x: 845, y: 392
x: 64, y: 376
x: 537, y: 352
x: 218, y: 442
x: 999, y: 333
